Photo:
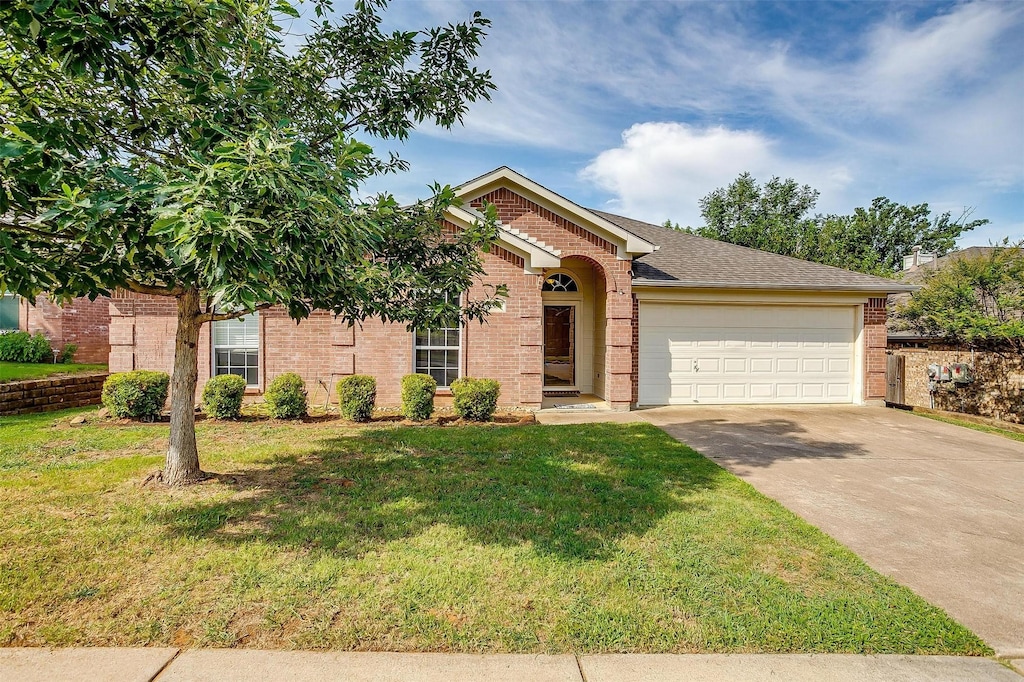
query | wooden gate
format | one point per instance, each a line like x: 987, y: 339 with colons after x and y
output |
x: 895, y: 372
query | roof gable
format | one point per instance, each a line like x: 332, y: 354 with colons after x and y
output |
x: 627, y: 243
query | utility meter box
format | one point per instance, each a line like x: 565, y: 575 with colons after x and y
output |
x: 939, y: 372
x: 961, y: 372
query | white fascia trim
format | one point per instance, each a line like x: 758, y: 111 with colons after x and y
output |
x: 868, y: 289
x: 627, y: 241
x: 535, y: 256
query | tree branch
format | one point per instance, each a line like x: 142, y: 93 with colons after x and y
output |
x: 220, y: 317
x: 140, y: 288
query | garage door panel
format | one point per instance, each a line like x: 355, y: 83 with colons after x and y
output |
x: 839, y: 365
x: 813, y: 365
x: 838, y: 390
x: 739, y: 354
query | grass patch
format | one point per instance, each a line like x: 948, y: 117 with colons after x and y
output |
x: 986, y: 428
x: 603, y: 538
x: 14, y: 371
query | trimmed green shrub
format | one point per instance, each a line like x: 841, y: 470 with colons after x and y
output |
x: 286, y: 397
x: 67, y: 355
x: 222, y: 396
x: 25, y: 347
x: 475, y: 399
x: 418, y: 396
x: 136, y: 395
x: 356, y: 396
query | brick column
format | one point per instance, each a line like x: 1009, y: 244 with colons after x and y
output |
x: 875, y: 342
x: 531, y: 345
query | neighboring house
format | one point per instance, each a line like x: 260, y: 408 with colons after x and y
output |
x: 598, y: 304
x: 996, y: 388
x: 82, y: 322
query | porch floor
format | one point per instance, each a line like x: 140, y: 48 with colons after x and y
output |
x: 586, y: 401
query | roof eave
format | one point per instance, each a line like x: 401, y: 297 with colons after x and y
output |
x: 862, y: 288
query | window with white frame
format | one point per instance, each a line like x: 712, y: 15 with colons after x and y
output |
x: 236, y: 348
x: 9, y: 313
x: 438, y: 352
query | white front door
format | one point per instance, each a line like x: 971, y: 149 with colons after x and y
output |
x: 720, y: 354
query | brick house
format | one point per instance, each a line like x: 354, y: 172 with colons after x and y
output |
x: 82, y: 322
x: 599, y: 305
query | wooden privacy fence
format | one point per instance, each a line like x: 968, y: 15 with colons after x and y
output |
x: 895, y: 379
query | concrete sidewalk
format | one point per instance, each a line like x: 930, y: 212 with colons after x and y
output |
x: 242, y: 665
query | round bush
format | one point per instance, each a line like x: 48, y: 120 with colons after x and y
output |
x: 286, y: 397
x: 475, y: 399
x: 222, y: 396
x: 67, y: 355
x: 356, y: 396
x: 136, y: 395
x: 418, y: 396
x: 25, y: 347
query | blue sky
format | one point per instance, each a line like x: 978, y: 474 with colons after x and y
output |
x: 644, y: 107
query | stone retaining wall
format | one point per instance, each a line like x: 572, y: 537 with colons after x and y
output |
x: 57, y: 393
x: 997, y: 390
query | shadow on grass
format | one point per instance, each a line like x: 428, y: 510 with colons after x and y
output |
x: 565, y: 490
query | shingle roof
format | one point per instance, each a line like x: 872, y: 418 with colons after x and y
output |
x: 687, y: 260
x: 917, y: 274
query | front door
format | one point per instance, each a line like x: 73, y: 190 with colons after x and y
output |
x: 559, y: 345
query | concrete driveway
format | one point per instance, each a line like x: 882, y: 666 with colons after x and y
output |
x: 940, y: 508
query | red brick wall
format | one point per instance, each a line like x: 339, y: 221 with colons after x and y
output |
x: 82, y: 322
x: 572, y: 240
x: 508, y: 346
x: 875, y: 341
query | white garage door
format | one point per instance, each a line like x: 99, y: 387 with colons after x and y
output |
x: 708, y: 354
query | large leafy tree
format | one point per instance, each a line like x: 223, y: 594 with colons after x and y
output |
x: 771, y: 218
x: 777, y: 217
x: 973, y: 300
x: 199, y: 150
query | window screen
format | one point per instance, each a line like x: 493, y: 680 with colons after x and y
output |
x: 437, y: 353
x: 236, y: 348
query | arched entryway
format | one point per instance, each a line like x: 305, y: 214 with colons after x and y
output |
x: 574, y: 297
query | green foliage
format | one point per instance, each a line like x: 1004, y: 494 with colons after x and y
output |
x: 205, y: 151
x: 140, y: 394
x: 769, y: 218
x: 356, y: 397
x: 25, y: 347
x: 418, y: 396
x: 67, y: 354
x: 777, y: 218
x: 222, y: 396
x: 475, y: 399
x: 286, y: 397
x: 973, y: 301
x: 194, y: 151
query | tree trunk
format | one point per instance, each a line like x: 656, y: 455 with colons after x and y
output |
x: 182, y: 465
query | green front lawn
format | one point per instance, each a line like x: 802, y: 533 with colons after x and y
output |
x: 13, y: 371
x: 985, y: 428
x: 516, y: 538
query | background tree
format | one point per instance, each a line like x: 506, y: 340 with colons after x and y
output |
x: 973, y: 301
x: 771, y: 218
x: 777, y: 218
x: 176, y: 148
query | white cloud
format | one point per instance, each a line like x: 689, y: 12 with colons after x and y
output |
x: 661, y: 170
